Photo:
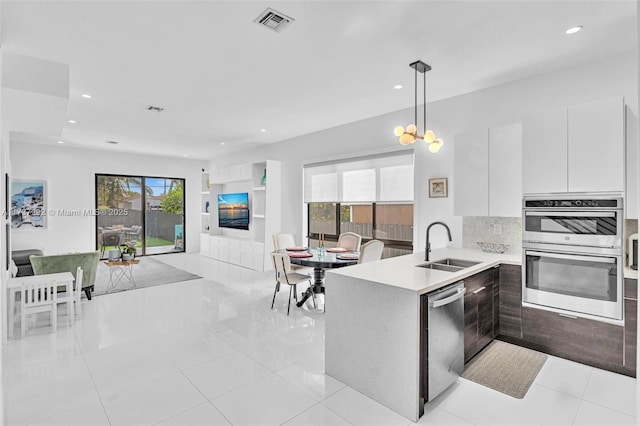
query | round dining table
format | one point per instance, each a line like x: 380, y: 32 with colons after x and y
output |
x: 319, y: 261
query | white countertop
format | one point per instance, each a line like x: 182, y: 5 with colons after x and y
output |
x: 630, y: 273
x: 401, y: 271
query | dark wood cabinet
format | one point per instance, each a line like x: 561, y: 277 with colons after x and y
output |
x: 630, y: 326
x: 479, y: 326
x: 510, y: 301
x: 579, y: 339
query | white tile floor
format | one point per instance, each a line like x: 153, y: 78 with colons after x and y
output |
x: 211, y: 352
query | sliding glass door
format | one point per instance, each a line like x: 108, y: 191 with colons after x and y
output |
x: 164, y: 215
x: 142, y: 212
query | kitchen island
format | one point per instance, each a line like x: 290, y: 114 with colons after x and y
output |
x: 372, y: 322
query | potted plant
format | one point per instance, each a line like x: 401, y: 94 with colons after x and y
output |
x: 128, y: 252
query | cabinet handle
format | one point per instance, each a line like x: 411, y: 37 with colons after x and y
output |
x: 478, y: 290
x: 568, y: 316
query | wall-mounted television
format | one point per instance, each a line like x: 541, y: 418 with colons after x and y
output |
x: 233, y: 211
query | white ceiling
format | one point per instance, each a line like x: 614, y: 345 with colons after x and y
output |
x: 222, y: 78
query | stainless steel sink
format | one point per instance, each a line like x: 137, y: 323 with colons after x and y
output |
x: 448, y: 264
x: 456, y: 262
x: 441, y: 267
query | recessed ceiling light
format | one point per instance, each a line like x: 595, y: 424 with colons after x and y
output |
x: 222, y: 143
x: 60, y: 142
x: 185, y: 155
x: 574, y: 30
x: 72, y: 121
x: 85, y: 95
x: 398, y: 86
x: 263, y: 130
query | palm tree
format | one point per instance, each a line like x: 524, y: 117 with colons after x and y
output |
x: 112, y: 189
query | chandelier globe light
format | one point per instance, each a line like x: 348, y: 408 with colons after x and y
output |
x: 409, y: 135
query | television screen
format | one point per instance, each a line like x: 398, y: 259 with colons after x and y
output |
x: 233, y: 211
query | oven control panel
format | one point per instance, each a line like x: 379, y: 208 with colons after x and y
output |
x: 571, y: 203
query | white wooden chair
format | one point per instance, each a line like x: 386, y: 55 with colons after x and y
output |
x: 38, y: 297
x: 350, y: 240
x: 280, y: 242
x: 77, y: 292
x: 285, y: 275
x: 371, y: 251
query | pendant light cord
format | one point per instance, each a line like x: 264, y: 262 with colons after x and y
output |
x: 415, y: 96
x: 424, y: 102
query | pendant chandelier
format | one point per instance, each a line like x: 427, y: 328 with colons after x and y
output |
x: 410, y: 134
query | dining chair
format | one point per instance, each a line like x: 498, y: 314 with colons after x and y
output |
x: 350, y: 240
x: 280, y: 242
x: 371, y: 251
x: 77, y: 292
x: 38, y: 297
x: 285, y: 275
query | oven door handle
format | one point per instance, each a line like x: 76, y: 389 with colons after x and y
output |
x: 571, y: 257
x: 570, y: 213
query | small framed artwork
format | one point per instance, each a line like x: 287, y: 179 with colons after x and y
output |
x: 438, y: 188
x: 28, y: 210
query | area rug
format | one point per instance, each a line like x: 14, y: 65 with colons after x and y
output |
x: 506, y: 368
x: 148, y: 273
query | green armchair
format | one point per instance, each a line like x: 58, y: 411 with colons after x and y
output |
x: 69, y: 263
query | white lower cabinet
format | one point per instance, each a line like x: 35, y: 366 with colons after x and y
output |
x: 204, y: 244
x: 243, y: 253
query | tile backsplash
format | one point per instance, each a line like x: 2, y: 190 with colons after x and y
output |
x: 502, y: 230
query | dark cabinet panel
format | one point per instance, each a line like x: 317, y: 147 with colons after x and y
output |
x: 631, y: 288
x: 470, y: 326
x: 591, y: 342
x: 510, y: 296
x: 630, y: 335
x: 478, y: 312
x: 485, y: 315
x: 496, y: 302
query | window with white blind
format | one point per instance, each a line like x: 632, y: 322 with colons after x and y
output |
x: 372, y: 196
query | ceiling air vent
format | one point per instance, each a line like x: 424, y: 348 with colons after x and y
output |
x: 112, y: 142
x: 154, y: 108
x: 273, y: 20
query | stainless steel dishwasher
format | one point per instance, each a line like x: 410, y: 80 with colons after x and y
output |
x: 442, y: 339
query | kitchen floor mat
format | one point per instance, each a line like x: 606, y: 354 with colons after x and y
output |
x: 504, y: 367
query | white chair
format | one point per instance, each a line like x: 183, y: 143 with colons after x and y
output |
x: 371, y: 251
x: 280, y: 242
x: 77, y: 292
x: 285, y: 275
x: 350, y: 240
x: 38, y: 297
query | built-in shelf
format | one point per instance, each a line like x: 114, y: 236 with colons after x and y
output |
x: 205, y: 214
x: 258, y: 216
x: 259, y: 188
x: 205, y: 192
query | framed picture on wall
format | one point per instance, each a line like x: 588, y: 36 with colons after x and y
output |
x: 438, y: 188
x: 28, y: 204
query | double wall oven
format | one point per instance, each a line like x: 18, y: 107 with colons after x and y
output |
x: 572, y: 254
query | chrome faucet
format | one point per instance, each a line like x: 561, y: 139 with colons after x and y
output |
x: 428, y: 249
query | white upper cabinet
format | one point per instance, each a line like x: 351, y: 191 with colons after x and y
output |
x: 596, y: 156
x: 576, y: 149
x: 471, y: 173
x: 505, y: 170
x: 488, y: 172
x: 544, y: 152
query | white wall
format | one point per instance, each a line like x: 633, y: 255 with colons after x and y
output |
x: 503, y: 104
x: 70, y: 185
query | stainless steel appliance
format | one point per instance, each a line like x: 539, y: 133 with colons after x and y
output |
x: 445, y: 339
x: 632, y: 251
x: 572, y: 254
